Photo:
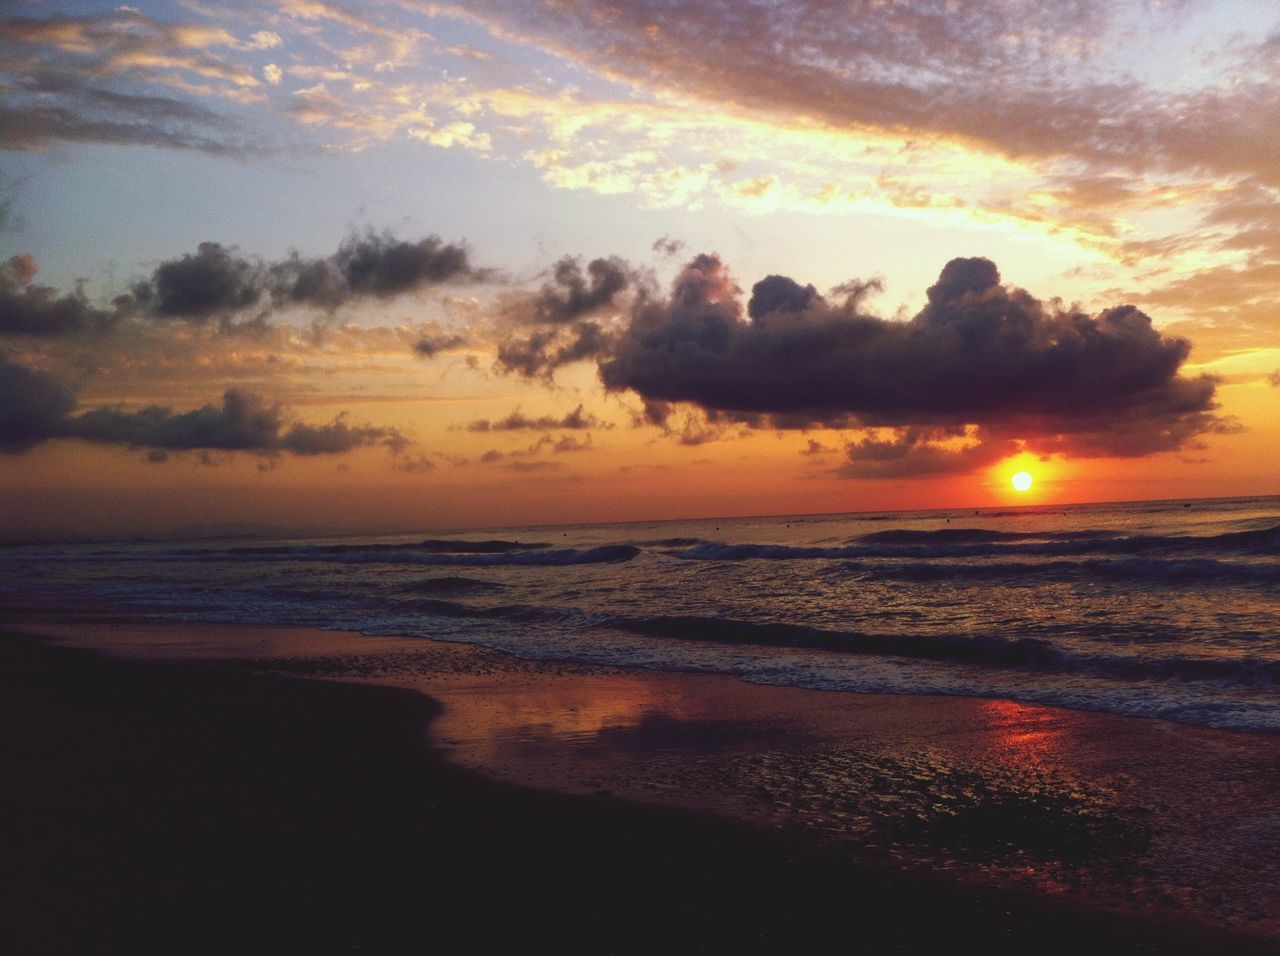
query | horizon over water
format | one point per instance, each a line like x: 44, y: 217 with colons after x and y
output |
x: 1165, y: 609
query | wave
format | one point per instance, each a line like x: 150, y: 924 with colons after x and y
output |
x: 1025, y: 653
x: 1154, y: 570
x: 988, y: 651
x: 561, y: 557
x: 429, y: 546
x: 975, y: 535
x: 404, y: 554
x: 449, y: 585
x: 977, y: 542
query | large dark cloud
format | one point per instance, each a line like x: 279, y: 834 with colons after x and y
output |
x: 218, y: 283
x: 36, y: 407
x: 979, y: 354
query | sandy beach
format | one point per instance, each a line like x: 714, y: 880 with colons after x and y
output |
x: 188, y: 791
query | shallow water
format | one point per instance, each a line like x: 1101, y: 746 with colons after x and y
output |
x: 1161, y: 609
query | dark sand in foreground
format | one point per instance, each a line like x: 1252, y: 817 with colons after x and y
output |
x: 196, y: 807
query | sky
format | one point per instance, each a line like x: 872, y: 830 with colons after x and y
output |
x: 397, y: 266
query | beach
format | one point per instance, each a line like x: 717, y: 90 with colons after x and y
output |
x: 178, y: 786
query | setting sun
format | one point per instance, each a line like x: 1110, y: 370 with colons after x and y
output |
x: 1021, y: 480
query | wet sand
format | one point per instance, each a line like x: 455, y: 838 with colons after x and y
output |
x: 197, y: 797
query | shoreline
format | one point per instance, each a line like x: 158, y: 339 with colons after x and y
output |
x: 705, y: 749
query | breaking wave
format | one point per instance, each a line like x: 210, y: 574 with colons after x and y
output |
x: 977, y: 542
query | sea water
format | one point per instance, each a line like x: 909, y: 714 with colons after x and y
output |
x: 1158, y: 609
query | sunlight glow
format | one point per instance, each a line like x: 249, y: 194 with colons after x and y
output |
x: 1021, y: 481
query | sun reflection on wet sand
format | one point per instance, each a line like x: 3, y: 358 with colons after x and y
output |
x: 548, y: 713
x: 1022, y: 734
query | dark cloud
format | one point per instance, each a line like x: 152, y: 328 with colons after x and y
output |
x: 336, y: 437
x: 27, y: 309
x: 431, y: 345
x: 377, y: 265
x: 562, y: 312
x: 573, y: 293
x: 578, y: 419
x: 212, y: 282
x: 814, y: 449
x: 566, y: 444
x: 1274, y: 378
x: 919, y: 452
x: 383, y: 266
x: 417, y: 465
x: 36, y: 407
x: 774, y: 294
x: 667, y: 246
x: 218, y: 283
x: 244, y: 422
x: 979, y: 353
x: 543, y: 351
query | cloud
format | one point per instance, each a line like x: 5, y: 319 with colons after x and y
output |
x: 916, y: 452
x: 36, y: 407
x: 562, y: 312
x: 572, y: 293
x: 666, y: 246
x: 27, y: 309
x: 214, y: 281
x: 94, y: 79
x: 217, y: 282
x: 1025, y: 80
x: 534, y: 465
x: 979, y: 354
x: 430, y: 346
x: 545, y: 350
x: 1274, y: 379
x: 383, y: 266
x: 578, y: 419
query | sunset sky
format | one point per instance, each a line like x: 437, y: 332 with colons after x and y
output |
x: 403, y: 266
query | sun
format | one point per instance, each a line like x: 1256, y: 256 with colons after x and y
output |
x: 1021, y: 481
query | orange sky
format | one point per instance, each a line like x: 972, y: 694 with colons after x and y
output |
x: 378, y: 226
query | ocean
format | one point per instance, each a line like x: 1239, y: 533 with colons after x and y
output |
x: 1165, y: 609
